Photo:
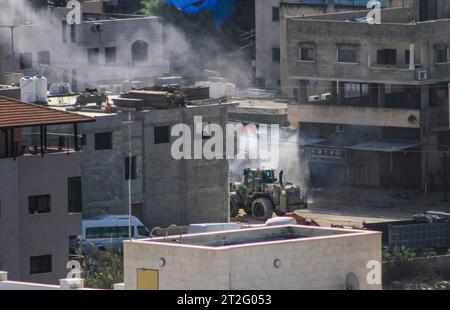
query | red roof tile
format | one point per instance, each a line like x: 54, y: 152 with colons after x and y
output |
x: 14, y: 113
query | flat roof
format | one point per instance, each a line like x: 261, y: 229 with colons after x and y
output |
x: 15, y: 114
x: 252, y: 237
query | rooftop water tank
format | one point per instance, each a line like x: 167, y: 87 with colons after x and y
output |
x: 28, y: 89
x: 41, y: 89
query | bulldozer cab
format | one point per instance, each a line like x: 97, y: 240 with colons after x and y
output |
x: 254, y: 178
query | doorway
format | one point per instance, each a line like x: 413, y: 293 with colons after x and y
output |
x: 147, y: 280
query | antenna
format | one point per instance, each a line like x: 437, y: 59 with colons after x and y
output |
x: 129, y: 176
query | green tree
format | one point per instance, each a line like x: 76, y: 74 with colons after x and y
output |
x: 152, y: 7
x: 102, y: 269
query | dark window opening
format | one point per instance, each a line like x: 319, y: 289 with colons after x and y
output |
x: 387, y: 57
x: 39, y: 204
x: 73, y: 37
x: 110, y: 55
x: 130, y: 166
x: 93, y: 55
x: 63, y: 31
x: 44, y: 58
x: 162, y: 134
x: 40, y: 264
x: 407, y: 57
x: 83, y: 141
x: 275, y: 14
x: 26, y: 61
x: 348, y: 54
x: 442, y: 55
x: 137, y: 210
x: 103, y: 141
x: 275, y: 54
x: 75, y: 199
x: 139, y: 51
x: 306, y: 53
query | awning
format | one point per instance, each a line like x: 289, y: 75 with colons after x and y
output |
x: 310, y: 141
x: 385, y: 146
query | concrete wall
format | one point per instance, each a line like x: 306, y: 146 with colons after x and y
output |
x: 351, y: 115
x: 268, y: 34
x: 171, y: 191
x: 398, y: 36
x: 315, y: 263
x: 24, y: 235
x: 69, y: 60
x: 267, y: 37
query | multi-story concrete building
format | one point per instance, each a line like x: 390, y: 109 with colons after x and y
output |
x: 381, y: 116
x: 164, y: 190
x: 40, y: 192
x: 105, y: 49
x: 269, y: 22
x: 282, y: 258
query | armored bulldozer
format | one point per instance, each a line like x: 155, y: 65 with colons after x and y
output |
x: 261, y: 194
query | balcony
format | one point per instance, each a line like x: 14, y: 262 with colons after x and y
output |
x: 30, y: 144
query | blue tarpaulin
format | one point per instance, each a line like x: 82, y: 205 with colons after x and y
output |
x: 221, y: 9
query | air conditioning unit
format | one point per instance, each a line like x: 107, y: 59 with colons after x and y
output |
x: 340, y: 128
x: 314, y: 98
x: 421, y: 75
x: 97, y: 27
x: 326, y: 96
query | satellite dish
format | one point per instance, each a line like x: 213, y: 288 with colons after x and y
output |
x: 352, y: 282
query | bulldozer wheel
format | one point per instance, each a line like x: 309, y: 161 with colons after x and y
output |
x: 235, y: 205
x: 262, y: 209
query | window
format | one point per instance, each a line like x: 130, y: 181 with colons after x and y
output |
x: 73, y: 37
x: 347, y: 53
x: 44, y: 58
x: 103, y: 141
x: 39, y: 204
x: 108, y: 232
x: 162, y: 134
x: 110, y: 55
x: 407, y: 56
x: 137, y: 210
x: 275, y: 13
x: 442, y: 55
x: 93, y: 55
x: 40, y: 264
x: 73, y: 245
x: 143, y: 231
x: 133, y: 168
x: 64, y: 30
x: 306, y: 53
x: 26, y: 61
x: 83, y: 141
x: 387, y: 57
x: 75, y: 199
x: 139, y: 51
x: 275, y: 54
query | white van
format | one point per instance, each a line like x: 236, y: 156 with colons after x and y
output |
x: 108, y: 232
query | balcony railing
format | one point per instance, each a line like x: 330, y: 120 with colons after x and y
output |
x: 30, y: 144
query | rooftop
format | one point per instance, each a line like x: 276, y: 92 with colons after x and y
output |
x: 14, y: 114
x: 253, y: 237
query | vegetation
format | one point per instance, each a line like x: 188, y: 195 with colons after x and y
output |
x: 102, y: 269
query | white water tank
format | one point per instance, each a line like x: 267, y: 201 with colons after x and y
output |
x: 41, y: 88
x: 28, y: 89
